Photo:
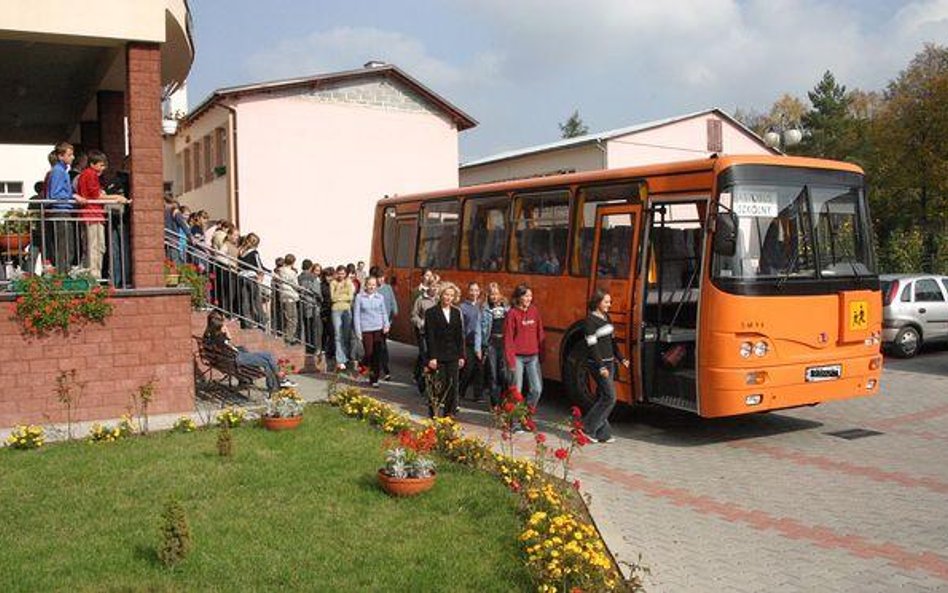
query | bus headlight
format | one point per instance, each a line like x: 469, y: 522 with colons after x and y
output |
x: 746, y: 349
x: 761, y: 348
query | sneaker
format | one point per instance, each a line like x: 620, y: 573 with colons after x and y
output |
x: 387, y: 377
x: 374, y: 384
x: 519, y: 430
x: 340, y: 368
x: 608, y: 440
x: 287, y: 383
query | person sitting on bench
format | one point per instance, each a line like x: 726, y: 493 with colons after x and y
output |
x: 216, y: 335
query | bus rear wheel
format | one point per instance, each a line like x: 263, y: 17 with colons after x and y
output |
x: 579, y: 383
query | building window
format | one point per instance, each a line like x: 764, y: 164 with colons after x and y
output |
x: 541, y: 229
x: 196, y: 164
x: 389, y: 230
x: 208, y: 159
x: 485, y: 233
x: 589, y: 199
x: 11, y: 188
x: 188, y: 172
x: 715, y: 136
x: 220, y: 141
x: 438, y: 240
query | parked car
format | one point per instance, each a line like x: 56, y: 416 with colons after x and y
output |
x: 915, y: 311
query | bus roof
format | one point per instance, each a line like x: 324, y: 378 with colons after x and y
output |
x: 714, y: 163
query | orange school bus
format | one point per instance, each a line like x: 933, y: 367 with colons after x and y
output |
x: 740, y: 284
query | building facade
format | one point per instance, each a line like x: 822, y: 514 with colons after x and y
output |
x: 302, y: 162
x: 680, y: 138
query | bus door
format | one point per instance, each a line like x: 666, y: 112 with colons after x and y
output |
x: 405, y: 234
x: 615, y: 252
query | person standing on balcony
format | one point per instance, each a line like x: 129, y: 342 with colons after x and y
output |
x: 251, y: 279
x: 93, y: 214
x: 289, y: 299
x: 342, y: 293
x: 370, y: 321
x: 329, y: 339
x: 61, y: 191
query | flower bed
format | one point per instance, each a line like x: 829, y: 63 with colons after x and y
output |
x: 562, y: 548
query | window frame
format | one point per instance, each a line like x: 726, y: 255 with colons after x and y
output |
x: 419, y: 225
x: 412, y: 240
x: 506, y: 196
x: 576, y: 211
x: 515, y: 198
x: 385, y: 231
x: 935, y: 282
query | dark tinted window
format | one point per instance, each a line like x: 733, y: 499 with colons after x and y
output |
x: 907, y: 293
x: 928, y: 291
x: 438, y: 240
x: 886, y: 286
x: 405, y: 243
x: 485, y: 233
x: 541, y: 229
x: 389, y: 229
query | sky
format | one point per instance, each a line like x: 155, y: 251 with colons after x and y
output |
x: 520, y: 67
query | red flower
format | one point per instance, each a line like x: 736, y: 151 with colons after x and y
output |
x: 540, y: 438
x: 509, y: 407
x: 532, y: 409
x: 516, y: 396
x: 576, y: 484
x: 529, y: 424
x: 515, y: 486
x: 561, y: 454
x: 581, y: 439
x: 576, y: 412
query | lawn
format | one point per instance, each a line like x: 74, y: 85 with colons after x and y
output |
x: 291, y: 511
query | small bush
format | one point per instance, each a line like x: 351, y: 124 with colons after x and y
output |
x: 109, y: 434
x: 175, y: 542
x: 184, y: 424
x: 231, y: 417
x: 225, y: 442
x: 26, y: 437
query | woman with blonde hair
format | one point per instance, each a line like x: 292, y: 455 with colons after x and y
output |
x: 444, y: 339
x: 492, y: 342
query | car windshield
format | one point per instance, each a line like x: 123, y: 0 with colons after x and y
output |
x: 796, y: 231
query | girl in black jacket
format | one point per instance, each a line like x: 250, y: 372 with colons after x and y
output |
x: 602, y: 361
x: 444, y: 338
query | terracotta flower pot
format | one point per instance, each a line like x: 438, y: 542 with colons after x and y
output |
x: 14, y: 242
x: 172, y: 279
x: 281, y: 423
x: 406, y: 486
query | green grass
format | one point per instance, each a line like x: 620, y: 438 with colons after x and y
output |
x: 291, y: 511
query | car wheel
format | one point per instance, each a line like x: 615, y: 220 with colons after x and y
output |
x: 907, y: 342
x: 579, y: 383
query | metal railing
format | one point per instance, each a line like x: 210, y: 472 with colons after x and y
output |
x: 248, y: 294
x: 45, y: 236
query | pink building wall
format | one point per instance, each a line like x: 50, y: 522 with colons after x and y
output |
x: 680, y: 141
x: 310, y: 173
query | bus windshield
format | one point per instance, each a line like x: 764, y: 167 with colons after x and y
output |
x: 799, y: 230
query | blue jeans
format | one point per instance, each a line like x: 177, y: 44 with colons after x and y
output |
x: 496, y: 370
x: 532, y: 365
x: 263, y: 361
x: 596, y: 421
x: 342, y: 328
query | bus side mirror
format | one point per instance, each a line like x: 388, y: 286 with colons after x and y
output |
x: 725, y: 234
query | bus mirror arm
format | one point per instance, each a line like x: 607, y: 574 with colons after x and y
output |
x: 725, y: 234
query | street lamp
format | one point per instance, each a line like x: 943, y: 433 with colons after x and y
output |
x: 783, y: 137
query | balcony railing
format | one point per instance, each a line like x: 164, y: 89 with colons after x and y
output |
x: 46, y: 236
x: 245, y: 293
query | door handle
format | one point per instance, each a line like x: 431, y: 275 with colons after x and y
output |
x: 922, y: 310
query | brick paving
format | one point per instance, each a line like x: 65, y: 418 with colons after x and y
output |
x: 771, y: 502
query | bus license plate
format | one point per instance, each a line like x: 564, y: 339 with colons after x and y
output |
x: 827, y: 373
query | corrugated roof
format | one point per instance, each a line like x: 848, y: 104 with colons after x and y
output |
x: 607, y: 135
x: 462, y: 119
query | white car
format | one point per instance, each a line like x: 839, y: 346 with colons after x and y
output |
x: 915, y: 311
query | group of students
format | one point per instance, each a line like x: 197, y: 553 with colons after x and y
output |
x: 73, y: 234
x: 489, y: 345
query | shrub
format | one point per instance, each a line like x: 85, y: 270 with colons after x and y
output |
x: 175, y: 542
x: 109, y: 434
x: 184, y: 424
x: 45, y: 306
x: 232, y: 417
x: 225, y: 442
x: 26, y: 437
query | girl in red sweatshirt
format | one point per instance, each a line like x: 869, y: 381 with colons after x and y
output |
x: 523, y: 342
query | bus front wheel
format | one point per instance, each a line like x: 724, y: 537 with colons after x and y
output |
x: 579, y: 383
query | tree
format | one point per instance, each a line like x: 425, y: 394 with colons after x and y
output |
x: 828, y: 125
x: 573, y: 126
x: 909, y: 162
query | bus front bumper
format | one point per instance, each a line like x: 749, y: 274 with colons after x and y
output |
x: 731, y: 392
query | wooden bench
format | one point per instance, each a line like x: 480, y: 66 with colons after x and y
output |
x: 222, y: 359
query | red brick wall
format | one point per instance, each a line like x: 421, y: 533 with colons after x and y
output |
x: 147, y: 336
x: 254, y: 340
x: 143, y: 105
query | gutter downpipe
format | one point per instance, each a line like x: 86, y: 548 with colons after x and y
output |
x: 232, y: 178
x: 605, y: 153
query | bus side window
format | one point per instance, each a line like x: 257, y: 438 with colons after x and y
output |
x: 485, y: 233
x: 438, y: 239
x: 541, y: 229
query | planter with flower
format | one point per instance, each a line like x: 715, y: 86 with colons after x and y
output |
x: 59, y: 302
x: 170, y: 270
x: 408, y: 469
x: 284, y: 410
x: 14, y: 231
